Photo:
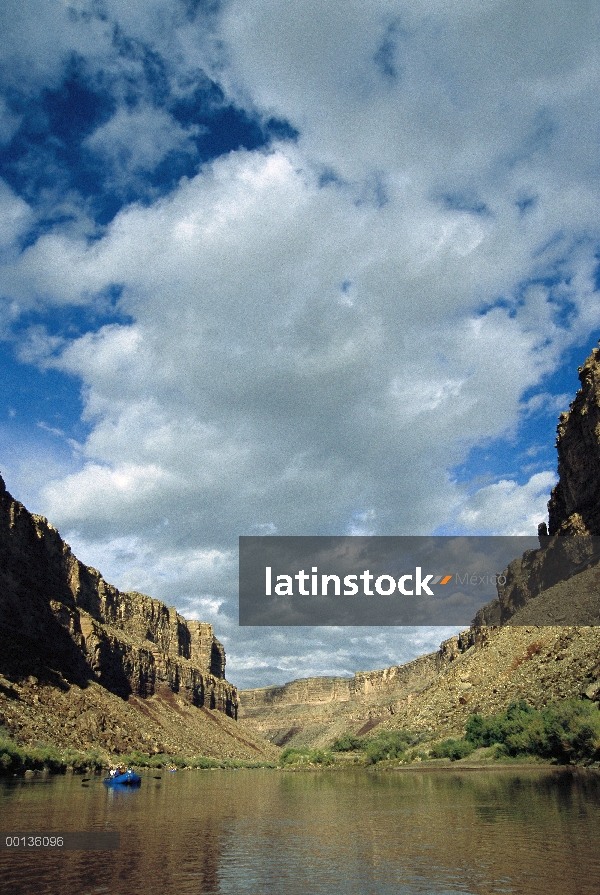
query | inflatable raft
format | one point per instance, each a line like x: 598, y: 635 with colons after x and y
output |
x: 128, y: 778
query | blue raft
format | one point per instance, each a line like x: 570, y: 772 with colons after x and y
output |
x: 126, y: 779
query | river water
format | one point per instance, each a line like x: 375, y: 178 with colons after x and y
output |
x: 325, y: 833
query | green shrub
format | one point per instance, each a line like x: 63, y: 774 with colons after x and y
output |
x: 12, y: 758
x: 319, y: 756
x: 16, y: 759
x: 158, y: 761
x: 203, y: 763
x: 293, y: 756
x: 387, y: 745
x: 348, y: 742
x: 452, y: 749
x: 135, y: 759
x: 45, y: 757
x: 572, y: 731
x: 568, y: 731
x: 304, y: 755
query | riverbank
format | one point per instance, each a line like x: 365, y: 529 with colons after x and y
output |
x: 19, y: 760
x: 566, y: 733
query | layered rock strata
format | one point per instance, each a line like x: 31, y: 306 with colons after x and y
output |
x: 481, y: 670
x: 574, y: 506
x: 313, y: 711
x: 570, y: 543
x: 62, y: 625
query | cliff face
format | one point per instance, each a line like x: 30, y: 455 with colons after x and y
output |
x: 60, y: 621
x: 481, y: 670
x: 364, y: 686
x: 567, y: 554
x: 57, y: 615
x: 574, y: 506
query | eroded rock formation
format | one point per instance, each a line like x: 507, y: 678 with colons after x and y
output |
x: 566, y: 548
x: 61, y: 621
x: 574, y: 506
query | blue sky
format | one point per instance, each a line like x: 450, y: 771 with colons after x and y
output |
x: 309, y: 268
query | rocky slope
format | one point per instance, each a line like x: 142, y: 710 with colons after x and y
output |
x: 83, y: 664
x: 539, y: 640
x: 314, y: 711
x: 481, y: 670
x: 538, y: 663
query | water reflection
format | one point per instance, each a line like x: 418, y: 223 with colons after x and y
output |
x: 226, y: 832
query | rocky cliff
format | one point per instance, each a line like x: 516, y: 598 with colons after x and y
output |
x: 570, y: 543
x: 574, y: 506
x: 365, y: 685
x: 481, y: 670
x: 65, y: 630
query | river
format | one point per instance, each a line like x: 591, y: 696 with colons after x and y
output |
x: 249, y: 832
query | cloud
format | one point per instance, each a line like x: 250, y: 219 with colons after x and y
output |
x: 135, y: 141
x: 311, y: 335
x: 478, y: 89
x: 16, y: 218
x: 550, y: 404
x: 245, y: 371
x: 111, y: 37
x: 9, y: 123
x: 507, y: 508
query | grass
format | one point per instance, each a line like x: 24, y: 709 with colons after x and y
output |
x: 163, y: 760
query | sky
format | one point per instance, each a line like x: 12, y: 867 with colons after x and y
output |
x: 291, y: 268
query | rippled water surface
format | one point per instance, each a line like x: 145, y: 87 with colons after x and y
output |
x: 237, y: 832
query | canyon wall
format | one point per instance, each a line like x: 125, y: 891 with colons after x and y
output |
x: 363, y: 686
x: 574, y: 506
x: 481, y: 670
x: 60, y: 620
x: 570, y: 543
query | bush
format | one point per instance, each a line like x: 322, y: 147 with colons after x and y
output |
x: 304, y: 755
x: 203, y: 763
x: 387, y: 745
x: 497, y: 728
x: 293, y: 756
x: 319, y: 756
x: 136, y: 759
x: 348, y: 742
x: 12, y: 758
x: 15, y: 759
x: 452, y: 749
x: 572, y: 731
x: 567, y: 731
